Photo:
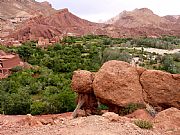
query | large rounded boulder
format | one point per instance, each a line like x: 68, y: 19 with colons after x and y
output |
x: 117, y: 83
x: 82, y: 81
x: 162, y: 89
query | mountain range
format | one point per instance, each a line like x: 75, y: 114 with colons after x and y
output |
x: 29, y: 20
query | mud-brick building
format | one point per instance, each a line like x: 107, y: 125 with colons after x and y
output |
x: 7, y: 62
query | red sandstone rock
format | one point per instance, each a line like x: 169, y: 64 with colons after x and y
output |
x: 140, y: 114
x: 82, y: 81
x: 168, y: 121
x: 140, y: 70
x: 162, y: 88
x: 117, y: 83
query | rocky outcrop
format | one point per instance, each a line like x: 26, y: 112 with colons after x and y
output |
x: 162, y: 88
x: 82, y: 84
x: 82, y: 81
x: 117, y: 83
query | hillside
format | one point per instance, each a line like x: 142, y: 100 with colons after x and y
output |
x: 58, y: 24
x: 138, y: 18
x: 15, y: 12
x: 30, y: 20
x: 23, y: 8
x: 139, y: 22
x: 148, y: 23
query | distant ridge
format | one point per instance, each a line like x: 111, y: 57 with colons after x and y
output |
x: 30, y: 20
x: 61, y: 23
x: 145, y: 20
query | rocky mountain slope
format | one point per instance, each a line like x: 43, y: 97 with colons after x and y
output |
x: 14, y: 12
x: 172, y: 18
x: 138, y: 18
x: 29, y: 20
x: 148, y: 23
x: 24, y: 8
x: 58, y: 24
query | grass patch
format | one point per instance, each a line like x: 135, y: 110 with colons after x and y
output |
x: 143, y: 124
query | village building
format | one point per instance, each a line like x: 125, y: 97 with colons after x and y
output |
x: 7, y: 62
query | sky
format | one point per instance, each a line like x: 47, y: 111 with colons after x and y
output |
x: 102, y: 10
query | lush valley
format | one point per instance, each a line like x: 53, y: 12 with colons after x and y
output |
x: 44, y: 87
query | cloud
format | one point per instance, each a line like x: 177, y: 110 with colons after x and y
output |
x: 95, y: 10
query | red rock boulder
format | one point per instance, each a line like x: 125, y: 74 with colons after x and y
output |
x: 140, y: 114
x: 117, y: 83
x: 82, y: 81
x: 162, y: 88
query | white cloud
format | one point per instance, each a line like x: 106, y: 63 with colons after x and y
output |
x: 95, y: 10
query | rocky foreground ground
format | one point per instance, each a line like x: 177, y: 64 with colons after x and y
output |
x: 166, y: 122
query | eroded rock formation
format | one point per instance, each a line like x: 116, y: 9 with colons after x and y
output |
x: 82, y: 84
x: 117, y: 84
x: 82, y: 81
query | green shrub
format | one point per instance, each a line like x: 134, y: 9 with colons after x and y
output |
x: 38, y: 107
x: 17, y: 104
x: 16, y: 69
x: 61, y: 102
x: 130, y: 108
x: 143, y: 124
x: 107, y: 41
x: 103, y: 107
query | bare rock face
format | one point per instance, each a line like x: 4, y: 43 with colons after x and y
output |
x: 117, y: 83
x: 168, y: 121
x: 140, y: 70
x: 162, y: 89
x: 82, y: 81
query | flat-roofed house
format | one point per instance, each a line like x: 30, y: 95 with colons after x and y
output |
x: 7, y: 62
